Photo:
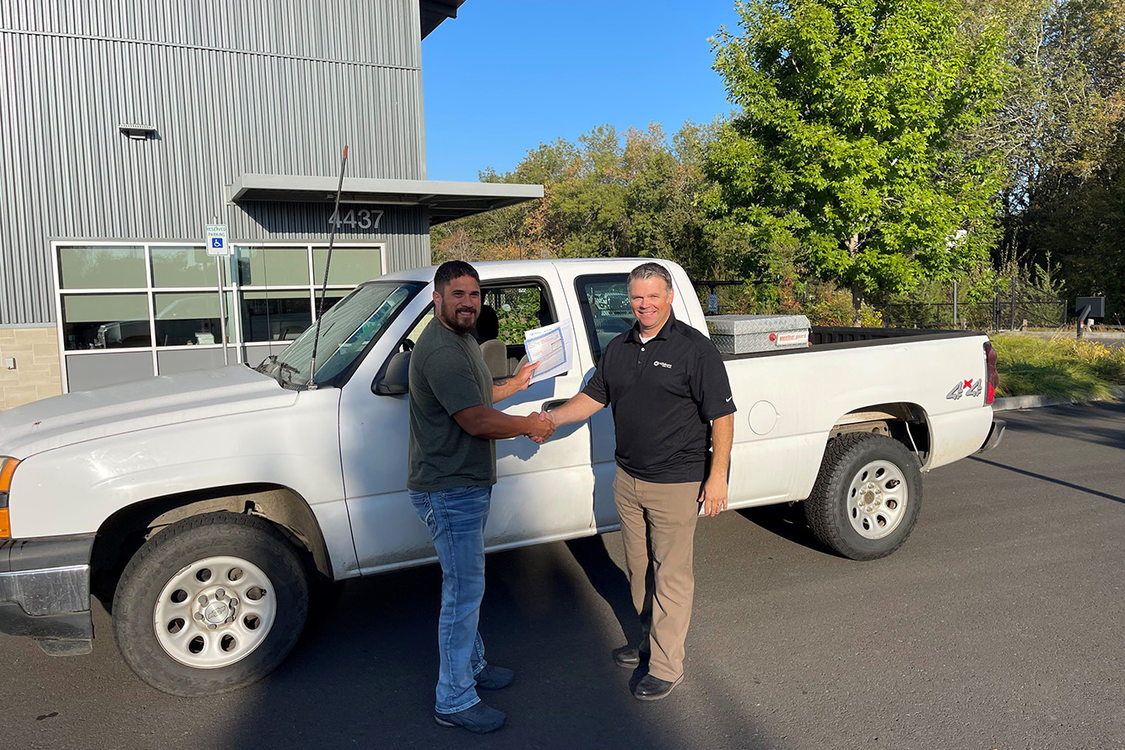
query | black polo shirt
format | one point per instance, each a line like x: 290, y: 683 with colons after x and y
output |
x: 664, y: 394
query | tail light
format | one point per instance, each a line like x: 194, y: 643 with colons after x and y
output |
x: 992, y: 375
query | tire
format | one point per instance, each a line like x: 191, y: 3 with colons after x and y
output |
x: 867, y: 496
x: 211, y: 604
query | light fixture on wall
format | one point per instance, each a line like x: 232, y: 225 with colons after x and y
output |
x: 137, y: 132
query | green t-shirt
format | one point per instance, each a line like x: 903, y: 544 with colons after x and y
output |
x: 447, y: 374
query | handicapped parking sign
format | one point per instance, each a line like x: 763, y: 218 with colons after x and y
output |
x: 217, y: 239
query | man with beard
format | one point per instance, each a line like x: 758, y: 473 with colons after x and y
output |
x: 451, y: 473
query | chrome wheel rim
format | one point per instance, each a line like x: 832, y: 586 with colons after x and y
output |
x: 214, y: 612
x: 877, y: 499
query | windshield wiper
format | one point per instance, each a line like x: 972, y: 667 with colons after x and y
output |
x: 285, y: 373
x: 265, y: 363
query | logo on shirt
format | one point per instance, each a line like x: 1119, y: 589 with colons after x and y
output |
x: 658, y: 363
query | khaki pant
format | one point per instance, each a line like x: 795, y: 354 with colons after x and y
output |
x: 658, y: 529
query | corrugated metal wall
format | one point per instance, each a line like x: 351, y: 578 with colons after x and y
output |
x: 267, y: 87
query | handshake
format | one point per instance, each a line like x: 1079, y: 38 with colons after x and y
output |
x: 540, y: 426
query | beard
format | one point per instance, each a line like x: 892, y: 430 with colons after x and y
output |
x: 452, y: 320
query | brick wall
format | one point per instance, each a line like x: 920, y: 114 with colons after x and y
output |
x: 37, y: 374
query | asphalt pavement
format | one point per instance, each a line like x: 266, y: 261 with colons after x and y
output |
x: 1000, y: 624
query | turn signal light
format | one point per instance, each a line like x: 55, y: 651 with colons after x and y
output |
x: 7, y: 468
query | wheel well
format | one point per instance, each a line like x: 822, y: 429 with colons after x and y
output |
x: 124, y: 532
x: 905, y: 422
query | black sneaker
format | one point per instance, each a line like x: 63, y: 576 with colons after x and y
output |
x: 629, y: 657
x: 478, y: 718
x: 653, y: 688
x: 494, y: 678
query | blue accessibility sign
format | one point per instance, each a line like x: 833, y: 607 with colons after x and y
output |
x: 217, y: 239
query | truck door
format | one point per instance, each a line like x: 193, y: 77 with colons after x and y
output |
x: 543, y: 492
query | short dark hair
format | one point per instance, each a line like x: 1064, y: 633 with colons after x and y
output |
x: 649, y: 271
x: 450, y: 270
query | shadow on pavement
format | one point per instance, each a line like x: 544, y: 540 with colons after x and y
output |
x: 363, y: 674
x: 609, y: 581
x: 1053, y: 480
x: 788, y: 522
x: 1074, y: 422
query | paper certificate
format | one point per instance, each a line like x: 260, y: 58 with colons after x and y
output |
x: 550, y: 346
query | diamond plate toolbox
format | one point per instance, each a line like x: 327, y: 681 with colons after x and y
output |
x: 745, y: 334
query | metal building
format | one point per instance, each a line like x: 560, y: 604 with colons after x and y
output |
x: 127, y: 127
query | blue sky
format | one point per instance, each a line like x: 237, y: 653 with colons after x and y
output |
x: 507, y: 75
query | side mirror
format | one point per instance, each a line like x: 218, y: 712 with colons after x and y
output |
x: 394, y: 378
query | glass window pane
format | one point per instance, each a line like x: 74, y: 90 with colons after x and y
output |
x: 105, y: 321
x: 345, y: 333
x: 330, y: 298
x: 187, y: 319
x: 350, y: 265
x: 275, y: 316
x: 84, y: 267
x: 232, y: 314
x: 182, y: 266
x: 273, y: 266
x: 604, y: 300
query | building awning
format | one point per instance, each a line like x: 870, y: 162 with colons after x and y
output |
x: 433, y: 12
x: 446, y: 200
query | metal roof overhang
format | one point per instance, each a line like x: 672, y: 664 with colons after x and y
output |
x: 433, y: 12
x: 446, y: 200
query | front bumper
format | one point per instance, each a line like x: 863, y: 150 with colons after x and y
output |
x: 45, y: 590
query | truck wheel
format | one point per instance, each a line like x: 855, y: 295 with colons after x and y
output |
x: 867, y: 496
x: 210, y: 604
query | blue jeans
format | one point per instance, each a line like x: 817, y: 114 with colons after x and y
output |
x: 456, y: 518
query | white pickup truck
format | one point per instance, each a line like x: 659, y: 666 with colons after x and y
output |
x: 202, y: 508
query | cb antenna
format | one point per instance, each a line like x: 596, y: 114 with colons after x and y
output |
x: 327, y: 265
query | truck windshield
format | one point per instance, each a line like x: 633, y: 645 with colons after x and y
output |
x: 346, y: 330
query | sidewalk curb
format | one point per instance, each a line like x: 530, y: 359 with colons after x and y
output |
x: 1034, y: 402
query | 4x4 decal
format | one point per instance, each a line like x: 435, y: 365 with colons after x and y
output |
x: 968, y: 387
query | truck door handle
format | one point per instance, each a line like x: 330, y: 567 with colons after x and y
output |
x: 548, y: 405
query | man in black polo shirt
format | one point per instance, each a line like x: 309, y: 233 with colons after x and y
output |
x: 671, y: 401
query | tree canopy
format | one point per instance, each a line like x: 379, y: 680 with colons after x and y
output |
x: 888, y: 146
x: 849, y: 137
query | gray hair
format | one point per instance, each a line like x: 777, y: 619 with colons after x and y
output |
x: 651, y: 271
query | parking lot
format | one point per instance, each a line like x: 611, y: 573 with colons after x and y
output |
x: 1000, y: 624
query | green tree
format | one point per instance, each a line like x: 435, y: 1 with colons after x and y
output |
x: 610, y: 194
x: 848, y: 145
x: 1061, y: 134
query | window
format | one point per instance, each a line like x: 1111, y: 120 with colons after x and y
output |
x: 187, y: 319
x: 102, y: 267
x: 158, y: 295
x: 345, y: 333
x: 606, y: 311
x: 105, y: 321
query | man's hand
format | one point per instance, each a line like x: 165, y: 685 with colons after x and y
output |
x: 522, y: 379
x: 501, y: 389
x: 539, y: 427
x: 714, y: 495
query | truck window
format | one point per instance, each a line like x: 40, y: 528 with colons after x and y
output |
x: 346, y: 331
x: 508, y: 310
x: 604, y: 300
